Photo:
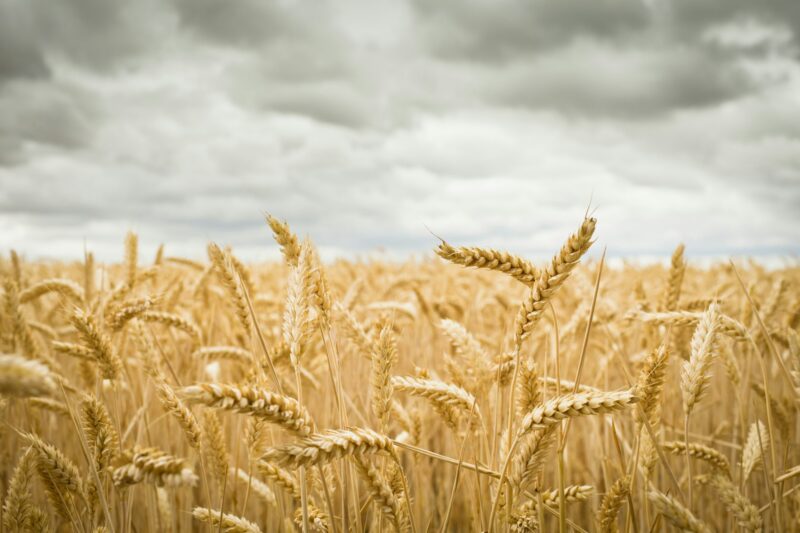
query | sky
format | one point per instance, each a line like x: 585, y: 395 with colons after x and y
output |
x: 372, y: 125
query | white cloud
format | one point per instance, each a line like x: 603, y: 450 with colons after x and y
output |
x: 362, y: 128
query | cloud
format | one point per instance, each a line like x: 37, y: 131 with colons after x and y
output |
x: 501, y: 31
x: 365, y: 124
x: 20, y: 57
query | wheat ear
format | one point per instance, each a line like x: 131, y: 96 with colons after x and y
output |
x: 552, y: 278
x: 747, y: 515
x: 100, y: 434
x: 529, y: 393
x: 650, y: 384
x: 65, y: 287
x: 153, y: 466
x: 59, y: 475
x: 228, y: 353
x: 517, y: 267
x: 578, y: 404
x: 677, y: 269
x: 695, y: 371
x: 755, y: 447
x: 23, y: 378
x: 321, y: 448
x: 465, y: 344
x: 18, y: 505
x: 530, y: 455
x: 282, y: 478
x: 297, y: 321
x: 708, y: 455
x: 379, y: 490
x: 438, y: 392
x: 129, y: 310
x: 131, y: 257
x: 256, y: 401
x: 290, y: 246
x: 612, y: 503
x: 227, y: 276
x: 214, y: 445
x: 727, y: 326
x: 224, y: 522
x: 259, y: 487
x: 572, y: 493
x: 175, y: 407
x: 91, y: 336
x: 173, y: 320
x: 676, y: 514
x: 384, y: 357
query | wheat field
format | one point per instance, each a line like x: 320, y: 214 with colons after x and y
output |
x: 473, y: 391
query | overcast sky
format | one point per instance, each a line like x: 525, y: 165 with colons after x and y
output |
x: 363, y: 122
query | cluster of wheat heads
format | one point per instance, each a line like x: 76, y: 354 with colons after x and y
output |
x: 481, y: 392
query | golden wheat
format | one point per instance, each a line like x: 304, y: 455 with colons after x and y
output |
x: 178, y: 394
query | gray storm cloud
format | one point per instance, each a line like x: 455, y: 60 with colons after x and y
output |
x: 363, y: 123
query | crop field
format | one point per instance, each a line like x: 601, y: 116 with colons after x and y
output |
x: 470, y: 391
